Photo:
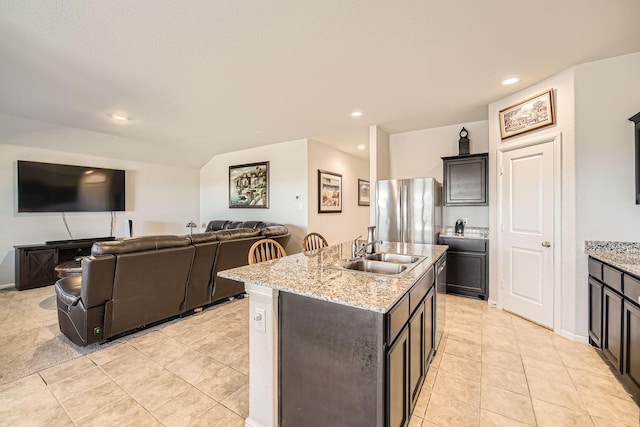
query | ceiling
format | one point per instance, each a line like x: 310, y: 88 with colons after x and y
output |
x: 204, y: 77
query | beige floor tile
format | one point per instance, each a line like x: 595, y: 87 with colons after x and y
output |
x: 238, y: 401
x: 219, y: 416
x: 124, y: 365
x: 491, y: 419
x: 92, y: 400
x: 66, y: 370
x: 463, y: 349
x: 507, y: 403
x: 459, y: 365
x: 504, y: 343
x: 585, y: 361
x: 125, y: 412
x: 25, y: 386
x: 550, y: 415
x: 423, y: 401
x: 503, y: 359
x: 222, y: 383
x: 504, y: 379
x: 31, y: 400
x: 184, y: 408
x: 231, y: 352
x: 415, y: 421
x: 543, y: 353
x: 462, y: 389
x: 465, y: 335
x: 437, y: 357
x: 113, y: 352
x: 153, y: 387
x: 430, y: 379
x: 609, y: 407
x: 559, y: 394
x: 44, y: 415
x: 241, y: 364
x: 599, y: 422
x: 587, y: 382
x: 440, y: 412
x: 545, y: 370
x: 194, y: 367
x: 79, y: 383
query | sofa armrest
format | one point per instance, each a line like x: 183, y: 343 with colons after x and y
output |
x: 97, y: 279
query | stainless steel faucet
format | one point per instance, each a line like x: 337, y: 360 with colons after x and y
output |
x: 371, y: 243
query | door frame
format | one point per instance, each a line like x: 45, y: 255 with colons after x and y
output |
x: 556, y: 140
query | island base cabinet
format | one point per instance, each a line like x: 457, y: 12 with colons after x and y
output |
x: 631, y: 359
x: 398, y: 381
x: 612, y: 326
x: 595, y: 313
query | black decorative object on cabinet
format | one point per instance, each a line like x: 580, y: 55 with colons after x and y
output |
x: 636, y: 120
x: 465, y: 180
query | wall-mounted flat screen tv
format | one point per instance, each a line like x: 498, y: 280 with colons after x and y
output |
x: 48, y: 187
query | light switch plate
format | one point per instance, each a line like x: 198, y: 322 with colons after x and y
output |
x: 259, y: 319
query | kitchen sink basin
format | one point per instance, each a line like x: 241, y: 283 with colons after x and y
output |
x: 376, y: 267
x: 393, y: 258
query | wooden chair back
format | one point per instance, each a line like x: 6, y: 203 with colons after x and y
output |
x: 313, y: 241
x: 265, y: 250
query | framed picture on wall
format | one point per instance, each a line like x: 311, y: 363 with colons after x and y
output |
x: 533, y: 113
x: 249, y: 185
x: 363, y: 192
x: 329, y: 192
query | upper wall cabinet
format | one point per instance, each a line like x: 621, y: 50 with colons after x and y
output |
x: 636, y: 120
x: 465, y: 180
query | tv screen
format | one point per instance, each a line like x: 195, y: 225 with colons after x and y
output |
x: 48, y: 187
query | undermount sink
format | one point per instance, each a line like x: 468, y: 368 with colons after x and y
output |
x: 393, y: 258
x: 376, y: 267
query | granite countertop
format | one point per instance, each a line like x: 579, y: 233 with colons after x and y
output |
x: 314, y: 274
x: 623, y: 255
x: 469, y: 233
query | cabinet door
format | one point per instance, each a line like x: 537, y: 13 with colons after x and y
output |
x: 465, y: 181
x: 417, y: 335
x: 631, y: 358
x: 36, y: 268
x: 612, y: 326
x: 398, y: 381
x: 429, y: 326
x: 466, y: 273
x: 595, y: 312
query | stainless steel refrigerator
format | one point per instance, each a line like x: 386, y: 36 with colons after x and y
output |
x: 409, y: 210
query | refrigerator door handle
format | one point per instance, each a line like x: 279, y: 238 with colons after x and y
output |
x: 403, y: 211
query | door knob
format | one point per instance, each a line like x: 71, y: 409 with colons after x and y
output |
x: 546, y: 244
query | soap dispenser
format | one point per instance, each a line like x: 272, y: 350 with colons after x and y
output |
x: 371, y: 240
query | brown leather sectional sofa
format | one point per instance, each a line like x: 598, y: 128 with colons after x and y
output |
x: 130, y: 283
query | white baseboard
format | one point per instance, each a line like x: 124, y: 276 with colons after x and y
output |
x: 573, y: 337
x: 492, y: 303
x: 7, y: 286
x: 250, y: 422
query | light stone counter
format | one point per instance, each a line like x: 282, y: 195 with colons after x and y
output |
x: 623, y: 255
x: 314, y: 274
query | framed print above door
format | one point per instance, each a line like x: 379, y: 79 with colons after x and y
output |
x: 329, y: 192
x: 249, y: 185
x: 533, y: 113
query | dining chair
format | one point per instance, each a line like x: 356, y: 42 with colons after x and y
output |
x: 265, y: 250
x: 313, y: 241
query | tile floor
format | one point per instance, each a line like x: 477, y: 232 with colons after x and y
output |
x: 494, y: 369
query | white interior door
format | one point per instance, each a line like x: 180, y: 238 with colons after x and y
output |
x: 527, y: 237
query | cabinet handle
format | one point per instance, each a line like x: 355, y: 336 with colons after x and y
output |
x: 546, y: 244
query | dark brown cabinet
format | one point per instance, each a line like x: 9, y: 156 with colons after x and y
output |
x: 631, y: 356
x: 465, y: 180
x: 417, y: 367
x: 467, y: 266
x: 612, y: 326
x: 398, y: 380
x: 35, y: 263
x: 595, y: 312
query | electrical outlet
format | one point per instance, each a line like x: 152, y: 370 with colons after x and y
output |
x: 464, y: 220
x: 259, y: 319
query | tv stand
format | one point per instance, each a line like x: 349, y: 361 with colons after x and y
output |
x: 35, y: 264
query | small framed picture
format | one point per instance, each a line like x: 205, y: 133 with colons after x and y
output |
x: 249, y: 185
x: 533, y: 113
x: 363, y: 192
x: 329, y: 192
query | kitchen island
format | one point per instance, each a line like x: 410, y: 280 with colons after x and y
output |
x: 338, y: 347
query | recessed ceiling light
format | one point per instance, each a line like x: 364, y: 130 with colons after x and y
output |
x: 510, y: 80
x: 119, y: 117
x: 356, y: 113
x: 362, y: 147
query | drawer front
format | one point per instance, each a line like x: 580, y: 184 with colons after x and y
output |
x: 396, y: 319
x: 420, y: 289
x: 612, y: 278
x: 595, y: 268
x: 464, y: 245
x: 632, y: 288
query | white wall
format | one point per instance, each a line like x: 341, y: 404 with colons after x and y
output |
x: 378, y: 163
x: 287, y: 179
x: 159, y: 200
x: 354, y: 219
x: 607, y: 94
x: 573, y: 299
x: 418, y: 154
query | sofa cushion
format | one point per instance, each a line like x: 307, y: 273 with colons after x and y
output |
x: 252, y: 224
x: 68, y: 290
x: 216, y: 225
x: 274, y: 230
x: 237, y: 233
x: 137, y: 244
x: 232, y: 225
x: 202, y: 238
